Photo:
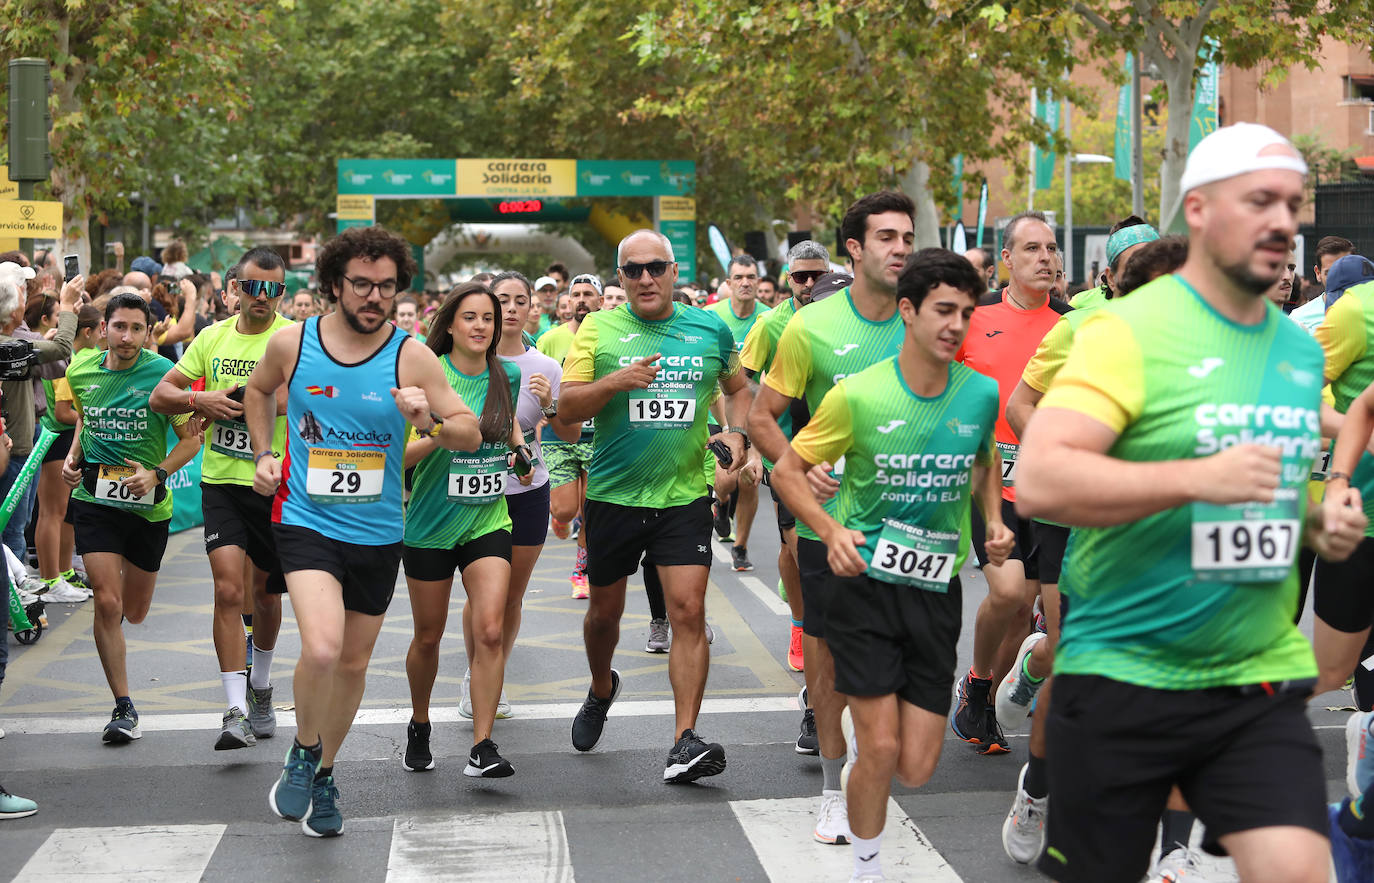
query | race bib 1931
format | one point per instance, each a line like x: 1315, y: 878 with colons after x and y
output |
x: 909, y: 555
x: 230, y: 438
x: 110, y: 491
x: 341, y: 476
x: 1008, y: 452
x: 1246, y: 542
x: 1322, y: 465
x: 660, y: 408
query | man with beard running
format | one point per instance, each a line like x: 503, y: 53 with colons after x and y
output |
x: 353, y: 381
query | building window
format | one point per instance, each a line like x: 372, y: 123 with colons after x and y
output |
x: 1358, y: 87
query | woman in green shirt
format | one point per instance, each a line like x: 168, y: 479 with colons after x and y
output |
x: 457, y: 522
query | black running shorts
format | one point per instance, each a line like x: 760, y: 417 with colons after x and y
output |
x: 1342, y: 598
x: 619, y: 536
x: 817, y: 583
x: 895, y: 639
x: 1050, y: 542
x: 366, y: 573
x: 786, y: 520
x: 236, y: 515
x: 107, y: 529
x: 1115, y: 749
x: 1020, y: 550
x: 529, y: 516
x: 435, y: 565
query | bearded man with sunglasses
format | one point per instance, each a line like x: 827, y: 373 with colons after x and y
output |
x: 238, y: 522
x: 648, y: 374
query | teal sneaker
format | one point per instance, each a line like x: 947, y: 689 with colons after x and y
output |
x: 324, y: 819
x: 290, y: 797
x: 13, y: 807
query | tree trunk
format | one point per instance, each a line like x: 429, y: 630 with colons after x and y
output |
x: 915, y: 182
x: 1178, y: 78
x: 67, y: 185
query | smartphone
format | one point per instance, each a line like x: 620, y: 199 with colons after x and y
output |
x: 722, y: 452
x: 71, y: 267
x: 237, y: 395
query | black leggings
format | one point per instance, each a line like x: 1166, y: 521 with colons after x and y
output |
x: 653, y: 588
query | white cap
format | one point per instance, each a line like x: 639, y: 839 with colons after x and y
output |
x: 16, y: 271
x: 1236, y: 150
x: 545, y: 280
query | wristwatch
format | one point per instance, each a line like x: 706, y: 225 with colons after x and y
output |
x: 161, y: 474
x: 433, y: 431
x: 551, y: 410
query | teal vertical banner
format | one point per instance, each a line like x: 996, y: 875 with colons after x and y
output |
x: 1047, y: 111
x: 1125, y: 122
x: 958, y: 187
x: 1204, y: 121
x: 184, y: 486
x: 982, y: 212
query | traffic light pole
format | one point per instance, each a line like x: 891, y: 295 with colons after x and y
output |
x: 26, y: 192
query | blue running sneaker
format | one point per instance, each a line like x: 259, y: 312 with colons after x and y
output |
x: 1359, y: 752
x: 290, y: 797
x: 324, y: 819
x: 123, y: 726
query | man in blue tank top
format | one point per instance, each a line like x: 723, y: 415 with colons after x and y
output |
x: 337, y: 516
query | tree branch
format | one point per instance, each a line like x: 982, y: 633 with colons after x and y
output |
x: 1107, y: 28
x: 1198, y: 23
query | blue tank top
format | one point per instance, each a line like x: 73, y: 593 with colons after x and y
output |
x: 345, y: 445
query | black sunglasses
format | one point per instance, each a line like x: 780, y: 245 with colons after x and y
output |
x: 253, y: 288
x: 634, y: 271
x: 803, y: 277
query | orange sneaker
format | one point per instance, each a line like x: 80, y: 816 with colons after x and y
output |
x: 579, y: 586
x: 794, y: 650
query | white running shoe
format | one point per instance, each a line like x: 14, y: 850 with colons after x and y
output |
x: 503, y: 711
x: 1023, y: 832
x: 63, y: 592
x: 1179, y: 865
x: 851, y: 748
x: 1015, y: 692
x: 832, y: 821
x: 465, y: 696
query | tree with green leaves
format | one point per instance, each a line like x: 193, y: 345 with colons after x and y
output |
x: 122, y: 73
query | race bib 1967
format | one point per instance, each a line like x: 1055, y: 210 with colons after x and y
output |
x: 1246, y: 542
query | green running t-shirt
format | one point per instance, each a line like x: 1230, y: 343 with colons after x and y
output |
x: 739, y: 328
x: 118, y: 425
x: 457, y: 496
x: 824, y: 343
x: 1199, y: 595
x: 647, y: 449
x: 908, y: 465
x: 225, y: 357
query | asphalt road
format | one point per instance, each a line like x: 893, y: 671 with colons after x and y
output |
x: 168, y: 807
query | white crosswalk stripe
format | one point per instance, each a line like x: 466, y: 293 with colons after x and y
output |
x: 161, y: 854
x: 527, y: 846
x: 780, y: 833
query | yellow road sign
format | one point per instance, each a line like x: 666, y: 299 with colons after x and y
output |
x: 30, y: 219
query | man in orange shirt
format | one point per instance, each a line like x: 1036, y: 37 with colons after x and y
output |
x: 1005, y: 330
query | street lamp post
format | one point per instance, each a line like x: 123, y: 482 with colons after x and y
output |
x: 1069, y: 160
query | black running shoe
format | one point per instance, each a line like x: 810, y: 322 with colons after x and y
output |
x: 691, y: 759
x: 591, y: 717
x: 970, y: 719
x: 720, y: 520
x: 807, y: 741
x: 995, y: 743
x: 123, y: 726
x: 485, y: 763
x: 418, y: 759
x: 739, y: 558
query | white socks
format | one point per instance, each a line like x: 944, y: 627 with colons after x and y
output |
x: 236, y: 689
x: 261, y: 676
x: 866, y: 860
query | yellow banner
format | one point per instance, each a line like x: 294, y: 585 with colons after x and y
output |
x: 357, y: 207
x: 517, y: 177
x: 677, y: 208
x: 8, y: 189
x: 29, y: 219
